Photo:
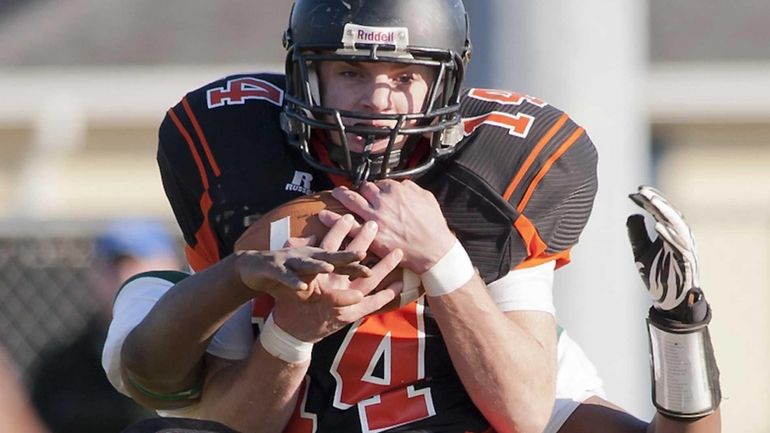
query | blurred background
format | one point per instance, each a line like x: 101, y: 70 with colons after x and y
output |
x: 676, y: 94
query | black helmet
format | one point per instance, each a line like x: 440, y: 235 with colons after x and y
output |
x: 423, y: 32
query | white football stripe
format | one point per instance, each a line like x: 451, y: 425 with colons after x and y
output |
x: 280, y: 231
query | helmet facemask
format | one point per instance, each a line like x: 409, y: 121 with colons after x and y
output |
x: 438, y: 120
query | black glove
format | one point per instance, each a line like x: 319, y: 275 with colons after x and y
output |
x: 669, y: 265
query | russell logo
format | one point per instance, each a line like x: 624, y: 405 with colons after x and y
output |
x: 356, y: 34
x: 300, y: 183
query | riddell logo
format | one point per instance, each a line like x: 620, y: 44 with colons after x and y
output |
x: 386, y: 37
x: 358, y: 34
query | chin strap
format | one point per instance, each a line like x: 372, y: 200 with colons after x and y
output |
x: 364, y: 168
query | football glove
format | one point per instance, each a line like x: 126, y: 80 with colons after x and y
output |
x: 669, y: 265
x: 684, y: 372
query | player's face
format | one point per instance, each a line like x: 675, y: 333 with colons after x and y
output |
x: 376, y: 88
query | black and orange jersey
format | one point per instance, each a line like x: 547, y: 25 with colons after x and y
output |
x: 517, y: 192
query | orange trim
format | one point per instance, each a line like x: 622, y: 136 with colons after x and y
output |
x: 536, y: 247
x: 562, y: 258
x: 422, y: 148
x: 323, y: 156
x: 262, y: 305
x: 201, y: 137
x: 533, y: 155
x: 194, y: 259
x: 528, y: 231
x: 191, y: 145
x: 547, y: 166
x: 205, y: 253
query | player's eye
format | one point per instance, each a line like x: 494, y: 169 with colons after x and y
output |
x: 350, y: 73
x: 406, y: 78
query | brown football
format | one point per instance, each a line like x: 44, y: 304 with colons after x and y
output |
x: 299, y: 218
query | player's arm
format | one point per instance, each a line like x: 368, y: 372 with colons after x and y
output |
x: 163, y: 332
x: 259, y: 392
x: 506, y: 361
x: 685, y: 376
x: 161, y: 358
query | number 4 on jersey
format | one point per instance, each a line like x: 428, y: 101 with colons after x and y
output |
x: 239, y: 90
x: 376, y: 367
x: 378, y: 363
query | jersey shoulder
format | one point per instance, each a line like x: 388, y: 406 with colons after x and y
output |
x: 513, y: 140
x: 236, y: 109
x: 223, y: 156
x: 227, y: 126
x: 521, y: 184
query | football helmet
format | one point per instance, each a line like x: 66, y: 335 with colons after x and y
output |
x: 433, y: 33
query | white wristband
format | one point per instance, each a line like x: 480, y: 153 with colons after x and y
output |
x: 282, y: 345
x: 450, y: 273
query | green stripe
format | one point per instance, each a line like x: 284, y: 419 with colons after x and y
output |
x: 172, y: 277
x: 187, y: 394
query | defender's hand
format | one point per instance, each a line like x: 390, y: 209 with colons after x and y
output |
x: 328, y: 311
x: 297, y: 266
x: 669, y: 265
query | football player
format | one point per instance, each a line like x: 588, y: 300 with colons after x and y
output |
x: 499, y: 186
x: 685, y: 377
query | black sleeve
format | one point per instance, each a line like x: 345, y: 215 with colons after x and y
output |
x: 185, y: 175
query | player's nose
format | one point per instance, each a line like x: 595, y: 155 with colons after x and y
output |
x: 377, y: 97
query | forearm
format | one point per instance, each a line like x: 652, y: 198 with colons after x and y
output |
x: 257, y: 395
x: 164, y: 352
x: 509, y: 374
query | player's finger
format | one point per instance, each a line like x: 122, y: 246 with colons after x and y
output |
x: 380, y: 271
x: 370, y: 191
x: 671, y: 237
x: 676, y: 221
x: 342, y: 297
x: 364, y: 238
x: 373, y: 302
x: 337, y: 233
x: 353, y: 201
x: 328, y: 218
x: 637, y: 235
x: 353, y: 270
x: 645, y: 203
x: 305, y: 266
x: 368, y: 188
x: 659, y: 200
x: 388, y: 185
x: 281, y: 274
x: 339, y: 258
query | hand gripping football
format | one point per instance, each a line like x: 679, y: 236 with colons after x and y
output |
x: 299, y: 218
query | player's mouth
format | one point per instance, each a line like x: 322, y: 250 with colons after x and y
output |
x: 379, y: 142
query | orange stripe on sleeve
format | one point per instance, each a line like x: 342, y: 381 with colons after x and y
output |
x: 205, y: 253
x: 547, y: 166
x: 188, y: 138
x: 536, y: 248
x: 533, y: 155
x: 201, y: 137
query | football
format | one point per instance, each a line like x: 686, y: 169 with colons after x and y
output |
x: 299, y: 218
